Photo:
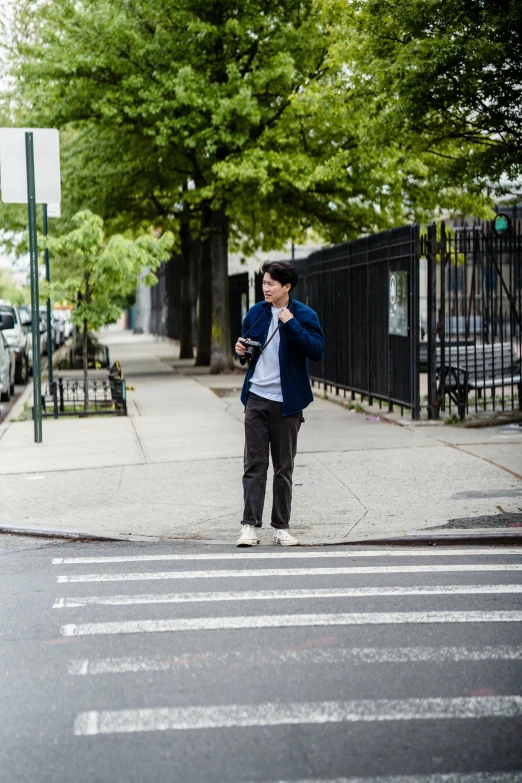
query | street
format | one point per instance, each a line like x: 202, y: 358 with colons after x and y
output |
x: 206, y: 664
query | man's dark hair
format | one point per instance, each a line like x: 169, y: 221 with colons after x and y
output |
x: 282, y: 271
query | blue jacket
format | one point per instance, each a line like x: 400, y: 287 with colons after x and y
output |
x: 301, y: 339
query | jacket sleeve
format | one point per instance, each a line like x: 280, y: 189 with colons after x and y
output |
x: 309, y: 338
x: 246, y: 326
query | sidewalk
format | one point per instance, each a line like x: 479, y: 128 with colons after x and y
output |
x: 172, y: 468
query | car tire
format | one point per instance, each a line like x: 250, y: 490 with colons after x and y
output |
x: 5, y: 396
x: 22, y: 371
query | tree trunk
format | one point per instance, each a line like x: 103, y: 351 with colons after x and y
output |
x: 172, y: 292
x: 221, y: 351
x: 85, y: 336
x: 205, y: 292
x: 186, y: 342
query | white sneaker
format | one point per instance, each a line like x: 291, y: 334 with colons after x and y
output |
x: 248, y: 536
x: 284, y: 538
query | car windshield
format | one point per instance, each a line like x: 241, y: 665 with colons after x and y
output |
x: 10, y: 310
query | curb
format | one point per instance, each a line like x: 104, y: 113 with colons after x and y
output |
x: 497, y: 536
x: 74, y: 535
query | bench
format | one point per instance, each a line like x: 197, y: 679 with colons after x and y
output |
x: 450, y: 344
x: 478, y: 367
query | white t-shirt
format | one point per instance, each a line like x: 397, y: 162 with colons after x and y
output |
x: 266, y: 381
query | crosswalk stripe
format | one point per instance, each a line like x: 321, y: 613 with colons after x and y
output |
x: 432, y: 552
x: 276, y: 595
x: 268, y: 714
x: 287, y: 572
x: 448, y: 777
x: 286, y: 621
x: 303, y: 655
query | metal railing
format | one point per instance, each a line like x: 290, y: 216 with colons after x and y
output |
x: 73, y: 397
x: 473, y: 319
x: 349, y: 287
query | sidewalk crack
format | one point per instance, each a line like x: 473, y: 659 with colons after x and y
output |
x: 341, y: 482
x: 140, y: 444
x: 355, y: 524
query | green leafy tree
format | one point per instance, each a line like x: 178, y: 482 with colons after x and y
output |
x: 443, y: 76
x: 201, y: 82
x: 93, y: 272
x: 10, y: 290
x: 233, y: 123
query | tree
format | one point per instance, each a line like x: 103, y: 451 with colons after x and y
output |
x: 94, y: 271
x: 444, y: 76
x: 242, y: 119
x: 10, y: 290
x: 202, y: 79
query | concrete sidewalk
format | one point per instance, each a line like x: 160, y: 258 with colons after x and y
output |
x: 172, y: 468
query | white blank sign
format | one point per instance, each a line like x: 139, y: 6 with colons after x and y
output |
x: 46, y: 165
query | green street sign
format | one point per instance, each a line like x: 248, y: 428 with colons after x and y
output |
x: 502, y: 224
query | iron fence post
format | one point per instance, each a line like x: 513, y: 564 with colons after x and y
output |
x: 54, y: 392
x: 442, y: 319
x: 414, y: 336
x: 431, y: 326
x: 60, y: 387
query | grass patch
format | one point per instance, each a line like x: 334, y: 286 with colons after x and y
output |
x: 452, y: 420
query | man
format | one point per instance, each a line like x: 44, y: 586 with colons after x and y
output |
x: 275, y: 392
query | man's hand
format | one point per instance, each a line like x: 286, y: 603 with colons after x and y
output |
x: 240, y: 347
x: 285, y: 315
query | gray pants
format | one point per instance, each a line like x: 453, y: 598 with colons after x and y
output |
x: 267, y: 429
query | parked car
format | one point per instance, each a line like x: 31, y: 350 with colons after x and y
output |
x: 7, y: 363
x: 63, y: 320
x: 69, y: 328
x: 17, y: 340
x: 44, y: 341
x: 58, y: 329
x: 25, y: 315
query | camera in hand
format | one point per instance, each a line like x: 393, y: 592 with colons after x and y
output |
x: 253, y: 347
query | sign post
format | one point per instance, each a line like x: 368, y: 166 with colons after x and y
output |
x: 50, y: 344
x: 30, y: 169
x: 35, y: 294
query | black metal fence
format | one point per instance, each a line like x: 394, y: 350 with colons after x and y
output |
x: 67, y: 397
x: 431, y: 323
x: 472, y: 324
x: 349, y: 287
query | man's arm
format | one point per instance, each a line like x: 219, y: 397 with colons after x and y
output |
x: 309, y: 338
x: 239, y: 347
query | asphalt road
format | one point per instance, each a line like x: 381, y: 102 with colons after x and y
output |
x: 206, y: 664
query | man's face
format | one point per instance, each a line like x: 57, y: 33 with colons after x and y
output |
x: 273, y: 290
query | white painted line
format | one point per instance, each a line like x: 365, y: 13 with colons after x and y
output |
x: 302, y: 655
x: 432, y: 552
x: 448, y: 777
x: 276, y: 595
x: 263, y: 572
x: 232, y: 716
x: 285, y: 621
